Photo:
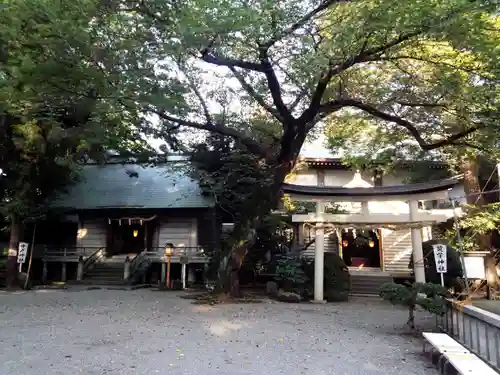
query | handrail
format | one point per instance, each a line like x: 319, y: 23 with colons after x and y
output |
x: 177, y: 251
x: 136, y: 264
x: 476, y: 329
x: 69, y: 251
x: 93, y: 259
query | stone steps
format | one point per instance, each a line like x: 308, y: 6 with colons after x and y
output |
x: 105, y: 273
x: 367, y: 284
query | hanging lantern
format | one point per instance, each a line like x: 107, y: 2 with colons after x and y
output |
x: 129, y: 221
x: 135, y: 233
x: 354, y: 233
x: 345, y: 243
x: 371, y: 243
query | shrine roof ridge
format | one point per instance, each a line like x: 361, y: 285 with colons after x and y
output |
x: 397, y: 190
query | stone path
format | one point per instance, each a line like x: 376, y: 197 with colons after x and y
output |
x: 103, y: 332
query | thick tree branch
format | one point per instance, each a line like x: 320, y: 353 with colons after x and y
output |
x: 332, y: 70
x: 324, y: 5
x: 425, y: 105
x: 218, y: 128
x: 412, y: 129
x: 275, y: 88
x: 259, y: 99
x: 198, y: 94
x: 211, y: 58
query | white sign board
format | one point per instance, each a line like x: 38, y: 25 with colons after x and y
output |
x: 440, y: 258
x: 22, y: 252
x: 475, y: 268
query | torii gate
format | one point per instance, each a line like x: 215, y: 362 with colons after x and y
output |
x: 415, y: 218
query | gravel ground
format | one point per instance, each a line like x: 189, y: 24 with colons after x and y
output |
x: 108, y: 332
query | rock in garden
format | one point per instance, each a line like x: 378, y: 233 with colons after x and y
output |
x: 271, y: 288
x: 288, y: 297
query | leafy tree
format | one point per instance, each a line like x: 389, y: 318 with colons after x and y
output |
x: 55, y: 110
x: 431, y: 297
x: 281, y: 57
x: 436, y: 86
x: 477, y: 224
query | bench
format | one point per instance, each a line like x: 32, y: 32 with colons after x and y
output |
x: 454, y: 354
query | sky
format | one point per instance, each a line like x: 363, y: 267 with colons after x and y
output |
x: 314, y: 149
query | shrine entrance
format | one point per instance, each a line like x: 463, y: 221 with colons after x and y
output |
x: 129, y: 236
x: 361, y: 249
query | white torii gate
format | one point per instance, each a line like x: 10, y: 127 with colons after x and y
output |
x: 414, y: 218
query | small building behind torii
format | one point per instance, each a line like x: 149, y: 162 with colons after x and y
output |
x: 365, y: 212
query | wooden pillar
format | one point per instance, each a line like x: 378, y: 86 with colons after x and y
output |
x: 163, y: 273
x: 319, y: 253
x: 63, y: 272
x: 44, y: 271
x: 79, y: 272
x: 146, y: 224
x: 416, y: 241
x: 126, y: 268
x: 183, y: 275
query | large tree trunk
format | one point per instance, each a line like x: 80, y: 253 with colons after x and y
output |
x: 15, y: 233
x: 470, y: 168
x: 244, y: 237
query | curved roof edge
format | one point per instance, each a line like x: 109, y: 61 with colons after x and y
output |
x: 410, y: 189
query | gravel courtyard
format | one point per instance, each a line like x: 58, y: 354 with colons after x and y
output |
x: 143, y: 332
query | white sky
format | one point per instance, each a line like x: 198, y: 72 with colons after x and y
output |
x: 314, y: 149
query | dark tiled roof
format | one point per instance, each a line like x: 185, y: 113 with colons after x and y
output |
x: 338, y: 163
x: 134, y: 186
x: 420, y: 188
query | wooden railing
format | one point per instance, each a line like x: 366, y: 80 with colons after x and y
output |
x: 138, y: 266
x: 136, y: 261
x: 92, y: 260
x: 159, y: 252
x: 65, y: 252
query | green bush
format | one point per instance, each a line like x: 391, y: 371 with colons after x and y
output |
x: 337, y: 280
x: 429, y: 296
x: 290, y: 274
x: 296, y: 274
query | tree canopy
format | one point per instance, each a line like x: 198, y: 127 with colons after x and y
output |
x: 57, y: 102
x: 55, y: 109
x: 436, y: 87
x: 216, y: 63
x: 85, y: 71
x: 302, y: 61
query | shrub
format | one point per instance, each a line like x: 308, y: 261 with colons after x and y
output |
x: 290, y: 274
x: 296, y: 274
x: 337, y: 280
x: 429, y: 296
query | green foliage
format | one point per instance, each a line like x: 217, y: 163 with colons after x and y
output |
x: 337, y: 280
x: 440, y: 84
x: 297, y: 273
x: 58, y: 100
x: 290, y: 273
x: 429, y: 296
x: 476, y: 221
x: 236, y: 179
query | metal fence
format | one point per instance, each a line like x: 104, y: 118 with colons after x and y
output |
x: 477, y: 330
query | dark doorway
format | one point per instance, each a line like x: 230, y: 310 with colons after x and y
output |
x: 361, y: 248
x: 127, y: 238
